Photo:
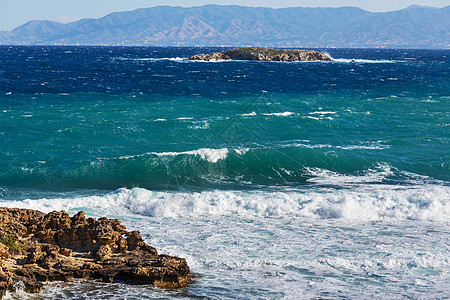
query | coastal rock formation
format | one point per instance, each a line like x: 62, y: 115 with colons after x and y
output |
x: 266, y: 54
x: 36, y: 247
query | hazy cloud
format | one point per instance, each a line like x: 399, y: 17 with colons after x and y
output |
x: 65, y: 19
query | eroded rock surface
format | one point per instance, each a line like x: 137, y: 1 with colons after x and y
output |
x: 37, y: 247
x: 266, y: 54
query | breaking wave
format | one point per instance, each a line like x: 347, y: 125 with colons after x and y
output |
x: 285, y: 165
x: 364, y: 203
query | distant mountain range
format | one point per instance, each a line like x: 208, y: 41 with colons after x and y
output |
x: 214, y: 25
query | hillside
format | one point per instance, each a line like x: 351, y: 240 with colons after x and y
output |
x: 213, y: 25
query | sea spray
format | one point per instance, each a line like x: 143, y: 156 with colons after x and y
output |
x: 358, y: 203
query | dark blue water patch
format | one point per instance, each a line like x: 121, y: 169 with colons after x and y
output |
x: 153, y: 70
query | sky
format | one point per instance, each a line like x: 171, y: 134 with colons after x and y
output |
x: 14, y: 13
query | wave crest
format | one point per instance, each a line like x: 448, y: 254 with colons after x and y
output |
x: 282, y: 165
x: 364, y: 203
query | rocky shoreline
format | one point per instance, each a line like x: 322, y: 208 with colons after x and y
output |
x: 36, y: 247
x: 264, y: 54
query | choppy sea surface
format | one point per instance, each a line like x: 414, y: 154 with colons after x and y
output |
x: 305, y: 180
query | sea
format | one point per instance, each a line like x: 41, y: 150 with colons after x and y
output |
x: 275, y: 180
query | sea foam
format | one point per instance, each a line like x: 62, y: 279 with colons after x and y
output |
x: 367, y: 202
x: 365, y: 61
x: 211, y: 155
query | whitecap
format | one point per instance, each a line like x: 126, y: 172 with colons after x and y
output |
x: 280, y: 114
x: 376, y: 174
x: 211, y: 155
x: 322, y: 112
x: 249, y: 114
x: 175, y: 59
x: 363, y: 203
x: 365, y: 61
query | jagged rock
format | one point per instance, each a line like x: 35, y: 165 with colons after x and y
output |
x: 4, y: 251
x: 266, y: 54
x: 37, y: 247
x: 6, y: 280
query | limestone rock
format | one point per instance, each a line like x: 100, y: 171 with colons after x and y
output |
x: 37, y: 247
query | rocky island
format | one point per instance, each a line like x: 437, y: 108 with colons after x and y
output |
x: 36, y: 247
x: 265, y: 54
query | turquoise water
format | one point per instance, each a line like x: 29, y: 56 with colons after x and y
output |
x: 274, y: 180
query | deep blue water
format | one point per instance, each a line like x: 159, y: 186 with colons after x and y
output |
x: 263, y: 152
x: 125, y: 70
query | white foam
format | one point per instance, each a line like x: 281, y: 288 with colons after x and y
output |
x: 322, y: 112
x: 212, y: 61
x: 241, y: 151
x: 362, y: 147
x: 176, y: 59
x: 282, y: 257
x: 366, y: 202
x: 280, y: 114
x: 364, y: 61
x: 200, y: 125
x: 212, y: 155
x: 372, y: 175
x: 249, y: 114
x: 371, y: 146
x: 398, y: 261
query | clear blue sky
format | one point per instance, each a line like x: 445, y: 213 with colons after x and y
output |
x: 17, y: 12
